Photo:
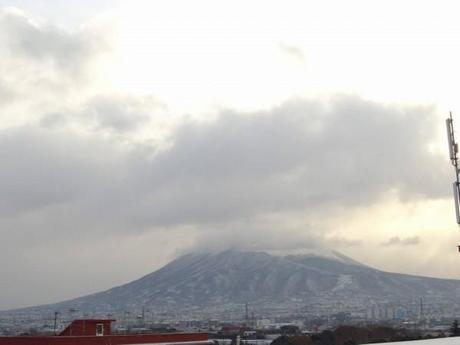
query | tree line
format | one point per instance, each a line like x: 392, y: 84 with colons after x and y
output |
x: 350, y: 335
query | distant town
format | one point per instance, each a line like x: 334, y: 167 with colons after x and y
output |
x: 255, y: 295
x: 252, y: 322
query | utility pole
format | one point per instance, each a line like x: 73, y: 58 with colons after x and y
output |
x: 421, y: 308
x: 247, y: 314
x: 55, y: 321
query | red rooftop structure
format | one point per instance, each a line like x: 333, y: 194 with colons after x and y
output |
x: 98, y: 332
x: 98, y: 327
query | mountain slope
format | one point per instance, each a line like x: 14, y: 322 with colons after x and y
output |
x: 233, y: 277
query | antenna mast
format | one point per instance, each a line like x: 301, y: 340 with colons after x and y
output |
x: 453, y: 150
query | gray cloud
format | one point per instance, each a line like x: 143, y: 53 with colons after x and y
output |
x: 293, y: 52
x: 42, y: 168
x: 54, y: 119
x: 6, y: 93
x: 120, y: 113
x: 262, y: 235
x: 300, y: 156
x: 114, y: 113
x: 43, y: 43
x: 398, y: 241
x: 42, y: 64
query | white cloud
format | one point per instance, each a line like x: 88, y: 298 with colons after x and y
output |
x: 84, y: 164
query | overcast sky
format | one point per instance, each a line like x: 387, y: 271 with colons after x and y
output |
x: 132, y: 132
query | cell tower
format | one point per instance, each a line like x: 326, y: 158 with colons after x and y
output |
x: 453, y: 150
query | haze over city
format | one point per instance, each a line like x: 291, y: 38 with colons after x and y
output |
x: 133, y: 132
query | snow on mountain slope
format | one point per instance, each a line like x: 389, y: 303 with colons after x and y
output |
x: 232, y: 277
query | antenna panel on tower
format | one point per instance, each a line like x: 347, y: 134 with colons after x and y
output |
x: 456, y: 198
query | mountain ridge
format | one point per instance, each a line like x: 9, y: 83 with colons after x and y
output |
x: 229, y: 278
